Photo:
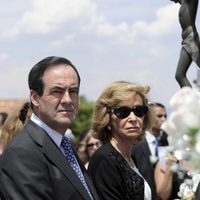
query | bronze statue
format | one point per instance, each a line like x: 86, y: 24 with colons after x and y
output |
x: 190, y: 40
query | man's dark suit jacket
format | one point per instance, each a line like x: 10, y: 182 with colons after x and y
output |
x: 34, y: 168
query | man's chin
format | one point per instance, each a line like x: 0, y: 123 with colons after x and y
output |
x: 68, y: 120
x: 63, y: 126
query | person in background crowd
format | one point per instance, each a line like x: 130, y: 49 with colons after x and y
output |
x: 40, y: 162
x: 147, y: 148
x: 14, y: 124
x: 159, y: 115
x: 87, y: 146
x: 168, y: 182
x: 120, y: 119
x: 16, y: 121
x: 164, y: 178
x: 3, y: 117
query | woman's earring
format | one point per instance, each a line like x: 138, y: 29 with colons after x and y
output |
x: 109, y: 128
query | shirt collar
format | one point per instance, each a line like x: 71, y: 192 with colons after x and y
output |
x: 150, y: 137
x: 54, y: 135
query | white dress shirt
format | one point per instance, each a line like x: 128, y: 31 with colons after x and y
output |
x: 147, y: 189
x: 54, y: 135
x: 150, y: 140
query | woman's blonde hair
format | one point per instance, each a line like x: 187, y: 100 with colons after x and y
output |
x: 111, y: 97
x: 14, y: 124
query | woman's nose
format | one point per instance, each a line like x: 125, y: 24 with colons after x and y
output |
x: 132, y: 116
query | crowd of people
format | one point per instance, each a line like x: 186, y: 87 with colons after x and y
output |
x: 118, y: 157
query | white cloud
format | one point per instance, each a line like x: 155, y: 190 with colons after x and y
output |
x: 105, y: 45
x: 158, y: 51
x: 167, y: 19
x: 47, y: 15
x: 4, y: 56
x: 67, y: 39
x: 165, y: 22
x: 14, y: 82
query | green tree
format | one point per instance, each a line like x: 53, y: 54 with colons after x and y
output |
x: 84, y: 117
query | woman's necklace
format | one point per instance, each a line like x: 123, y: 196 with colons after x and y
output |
x: 115, y: 145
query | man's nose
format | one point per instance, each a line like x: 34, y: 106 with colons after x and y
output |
x: 66, y: 98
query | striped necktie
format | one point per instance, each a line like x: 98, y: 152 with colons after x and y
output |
x: 65, y: 143
x: 156, y: 143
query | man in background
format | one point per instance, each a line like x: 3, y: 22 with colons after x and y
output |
x: 147, y: 148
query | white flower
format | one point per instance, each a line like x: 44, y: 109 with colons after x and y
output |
x: 188, y: 193
x: 177, y: 100
x: 175, y: 124
x: 153, y: 159
x: 185, y: 97
x: 195, y: 180
x: 197, y: 146
x: 186, y: 114
x: 183, y: 127
x: 185, y: 191
x: 175, y: 167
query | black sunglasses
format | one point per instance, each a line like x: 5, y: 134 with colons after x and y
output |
x: 124, y: 111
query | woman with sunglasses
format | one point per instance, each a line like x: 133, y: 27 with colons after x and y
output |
x: 120, y: 118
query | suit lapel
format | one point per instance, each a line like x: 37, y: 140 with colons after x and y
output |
x: 146, y: 149
x: 147, y: 153
x: 56, y: 156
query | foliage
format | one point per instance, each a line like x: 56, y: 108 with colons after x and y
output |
x: 84, y: 117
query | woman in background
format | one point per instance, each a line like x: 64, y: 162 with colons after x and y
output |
x: 86, y: 146
x: 13, y: 124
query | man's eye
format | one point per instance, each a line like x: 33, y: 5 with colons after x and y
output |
x: 57, y: 91
x: 74, y: 90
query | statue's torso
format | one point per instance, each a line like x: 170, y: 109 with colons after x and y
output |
x: 187, y: 13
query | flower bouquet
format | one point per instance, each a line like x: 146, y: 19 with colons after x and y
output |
x: 183, y: 128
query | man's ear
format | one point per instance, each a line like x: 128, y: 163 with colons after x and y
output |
x: 34, y: 97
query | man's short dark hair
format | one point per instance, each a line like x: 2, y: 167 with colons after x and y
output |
x: 156, y: 104
x: 35, y: 75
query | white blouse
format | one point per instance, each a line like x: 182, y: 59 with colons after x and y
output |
x: 147, y: 189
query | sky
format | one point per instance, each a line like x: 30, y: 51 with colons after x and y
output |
x: 107, y: 40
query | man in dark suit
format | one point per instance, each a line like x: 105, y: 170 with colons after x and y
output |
x: 146, y: 148
x: 35, y: 165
